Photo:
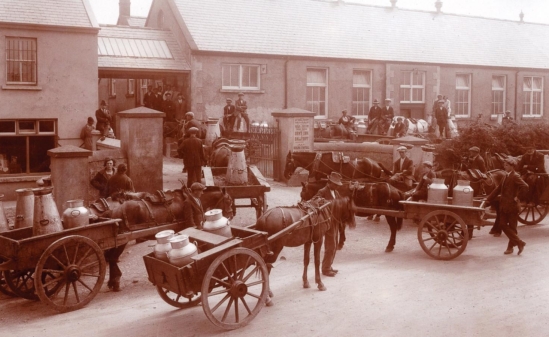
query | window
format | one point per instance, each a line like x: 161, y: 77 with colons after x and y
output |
x: 112, y: 87
x: 20, y: 60
x: 131, y: 87
x: 463, y: 95
x: 498, y: 95
x: 317, y: 85
x: 412, y: 86
x: 240, y: 77
x: 362, y: 84
x: 533, y: 96
x: 24, y: 145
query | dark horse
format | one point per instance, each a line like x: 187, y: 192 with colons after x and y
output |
x: 369, y: 195
x: 322, y: 164
x: 310, y: 232
x: 144, y: 210
x: 481, y: 184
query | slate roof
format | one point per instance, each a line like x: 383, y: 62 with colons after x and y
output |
x: 139, y: 48
x: 65, y: 13
x: 328, y: 29
x: 137, y: 21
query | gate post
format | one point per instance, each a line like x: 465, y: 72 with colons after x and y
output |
x: 296, y: 133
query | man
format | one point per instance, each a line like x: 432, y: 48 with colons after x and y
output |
x: 346, y: 124
x: 168, y: 107
x: 532, y: 169
x: 387, y: 116
x: 400, y: 128
x: 507, y: 119
x: 435, y: 104
x: 403, y: 168
x: 241, y: 108
x: 86, y: 134
x: 475, y: 160
x: 191, y: 123
x: 102, y: 115
x: 441, y: 114
x: 149, y: 97
x: 329, y: 192
x: 180, y: 107
x: 509, y: 192
x: 447, y: 104
x: 420, y: 192
x: 374, y: 115
x: 228, y: 115
x: 119, y: 182
x: 192, y: 207
x: 193, y: 156
x: 157, y: 101
x: 168, y: 93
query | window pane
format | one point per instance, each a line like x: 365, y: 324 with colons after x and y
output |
x: 417, y: 95
x: 405, y: 77
x: 7, y: 126
x: 27, y: 126
x: 254, y: 71
x: 38, y: 153
x: 316, y: 76
x: 14, y: 147
x: 405, y: 94
x: 46, y: 126
x: 361, y: 78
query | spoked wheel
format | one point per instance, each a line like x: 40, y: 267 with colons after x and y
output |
x: 4, y: 287
x: 443, y: 235
x: 78, y: 268
x: 176, y: 300
x: 21, y: 283
x: 531, y: 214
x: 235, y: 288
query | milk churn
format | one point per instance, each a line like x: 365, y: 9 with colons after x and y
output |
x: 237, y: 170
x: 254, y: 124
x: 4, y: 227
x: 163, y: 245
x: 75, y: 215
x: 361, y: 127
x: 264, y: 124
x: 437, y: 192
x: 212, y: 132
x: 182, y: 251
x: 46, y: 217
x: 24, y: 208
x: 216, y: 223
x: 462, y: 194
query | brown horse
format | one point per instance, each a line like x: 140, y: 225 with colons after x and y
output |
x: 481, y: 185
x: 311, y: 231
x: 322, y: 164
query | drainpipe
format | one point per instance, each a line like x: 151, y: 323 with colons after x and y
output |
x: 286, y: 83
x: 516, y: 94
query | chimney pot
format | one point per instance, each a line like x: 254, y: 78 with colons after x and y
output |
x: 521, y: 16
x: 393, y: 3
x: 438, y: 6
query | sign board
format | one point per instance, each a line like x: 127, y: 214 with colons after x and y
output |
x: 302, y: 134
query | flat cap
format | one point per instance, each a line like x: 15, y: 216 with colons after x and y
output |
x: 197, y: 186
x: 402, y: 149
x: 192, y: 130
x: 511, y: 161
x: 190, y: 113
x: 474, y: 149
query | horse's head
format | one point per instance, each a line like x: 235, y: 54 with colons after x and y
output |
x: 218, y: 198
x: 228, y: 207
x: 290, y: 166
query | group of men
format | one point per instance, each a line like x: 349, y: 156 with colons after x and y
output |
x: 169, y: 101
x: 235, y: 117
x: 380, y: 118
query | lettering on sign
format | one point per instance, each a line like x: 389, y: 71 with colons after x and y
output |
x: 302, y: 135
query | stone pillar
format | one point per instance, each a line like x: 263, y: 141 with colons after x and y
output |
x: 141, y: 141
x: 70, y: 174
x: 296, y: 133
x: 96, y: 134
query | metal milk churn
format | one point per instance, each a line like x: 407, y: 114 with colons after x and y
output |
x: 216, y: 223
x: 46, y: 217
x: 24, y: 208
x: 4, y: 227
x: 182, y: 250
x: 212, y: 132
x: 361, y: 127
x: 437, y: 192
x: 237, y: 170
x: 462, y: 194
x: 163, y: 245
x: 75, y: 215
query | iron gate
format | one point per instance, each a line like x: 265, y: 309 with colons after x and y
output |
x: 263, y: 145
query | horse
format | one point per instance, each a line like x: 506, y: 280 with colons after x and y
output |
x: 482, y: 184
x: 322, y: 164
x: 377, y: 195
x: 310, y: 232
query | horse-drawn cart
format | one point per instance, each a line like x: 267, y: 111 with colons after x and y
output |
x: 66, y: 269
x: 444, y: 229
x: 255, y: 190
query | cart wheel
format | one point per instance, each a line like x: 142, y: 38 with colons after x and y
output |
x: 4, y: 287
x: 443, y: 235
x: 21, y: 283
x: 235, y: 288
x: 78, y: 269
x: 532, y: 214
x: 178, y: 301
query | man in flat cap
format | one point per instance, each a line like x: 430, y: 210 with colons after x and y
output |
x: 190, y: 122
x: 192, y: 207
x: 441, y: 114
x: 532, y: 169
x: 228, y: 115
x: 420, y: 192
x: 241, y: 108
x: 192, y: 152
x: 475, y: 160
x: 435, y: 103
x: 387, y: 115
x: 102, y: 115
x: 374, y: 117
x: 400, y: 127
x: 507, y: 119
x: 402, y: 168
x: 511, y: 189
x: 346, y: 124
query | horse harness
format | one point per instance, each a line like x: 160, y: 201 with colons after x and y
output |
x: 354, y: 164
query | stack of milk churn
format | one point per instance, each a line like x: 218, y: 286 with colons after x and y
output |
x: 175, y: 249
x: 237, y: 170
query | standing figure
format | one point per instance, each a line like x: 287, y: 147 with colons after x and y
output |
x: 507, y: 119
x: 191, y: 123
x: 435, y: 104
x: 228, y: 115
x: 475, y: 160
x: 374, y: 115
x: 180, y: 107
x: 387, y: 116
x: 241, y: 108
x: 168, y: 107
x: 192, y: 207
x: 441, y: 115
x: 346, y: 124
x: 119, y: 182
x: 102, y: 177
x: 447, y: 105
x: 403, y: 168
x: 193, y: 156
x: 149, y: 98
x: 421, y: 190
x: 103, y: 116
x: 509, y: 192
x: 532, y: 169
x: 329, y: 192
x: 157, y: 100
x: 86, y: 134
x: 168, y: 91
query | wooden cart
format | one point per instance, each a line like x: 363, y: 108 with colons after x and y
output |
x: 255, y: 191
x: 444, y: 229
x: 65, y: 270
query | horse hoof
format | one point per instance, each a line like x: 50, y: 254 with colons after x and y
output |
x: 377, y: 219
x: 306, y: 285
x: 389, y: 249
x: 321, y: 287
x: 271, y: 294
x: 269, y: 302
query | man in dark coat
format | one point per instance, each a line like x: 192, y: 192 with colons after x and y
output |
x: 441, y: 114
x: 180, y: 107
x: 193, y: 157
x: 374, y: 116
x: 400, y: 128
x: 228, y: 115
x: 191, y: 123
x: 119, y: 182
x: 149, y: 98
x: 102, y: 115
x: 387, y: 115
x: 403, y: 168
x: 157, y: 100
x: 421, y: 190
x: 475, y: 160
x: 532, y: 168
x: 168, y: 107
x: 192, y: 207
x: 241, y: 108
x: 329, y: 192
x: 507, y: 119
x: 509, y: 192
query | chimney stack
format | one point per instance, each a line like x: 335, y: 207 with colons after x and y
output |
x: 438, y: 6
x: 393, y: 3
x: 124, y: 8
x: 521, y: 16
